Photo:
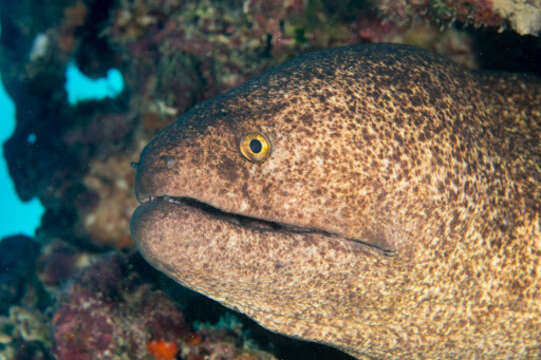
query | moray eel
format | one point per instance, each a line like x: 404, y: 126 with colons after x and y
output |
x: 376, y: 198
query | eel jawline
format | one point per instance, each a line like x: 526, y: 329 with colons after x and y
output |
x: 257, y: 223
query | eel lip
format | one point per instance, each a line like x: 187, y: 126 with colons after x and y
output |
x: 236, y: 219
x: 251, y: 222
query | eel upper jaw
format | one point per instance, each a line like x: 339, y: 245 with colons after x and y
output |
x: 253, y: 222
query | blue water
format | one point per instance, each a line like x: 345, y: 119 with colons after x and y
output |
x: 23, y: 218
x: 80, y: 88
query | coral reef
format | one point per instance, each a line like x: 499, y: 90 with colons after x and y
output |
x: 523, y: 16
x: 25, y: 334
x: 162, y: 349
x: 111, y: 180
x: 109, y: 311
x: 18, y: 256
x: 59, y: 262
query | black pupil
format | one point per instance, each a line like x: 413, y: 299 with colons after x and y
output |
x: 255, y: 146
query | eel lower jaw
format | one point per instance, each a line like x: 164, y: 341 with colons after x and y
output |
x: 255, y: 223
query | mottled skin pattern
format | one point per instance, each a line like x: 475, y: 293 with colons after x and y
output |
x: 412, y: 193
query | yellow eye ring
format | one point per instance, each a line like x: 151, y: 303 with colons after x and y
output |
x: 255, y: 147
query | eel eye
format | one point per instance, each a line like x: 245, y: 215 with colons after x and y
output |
x: 255, y: 147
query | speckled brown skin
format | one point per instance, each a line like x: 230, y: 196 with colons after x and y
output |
x: 421, y: 185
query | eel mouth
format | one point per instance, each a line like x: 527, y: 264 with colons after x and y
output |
x: 254, y: 223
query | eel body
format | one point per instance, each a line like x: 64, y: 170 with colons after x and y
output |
x: 376, y: 198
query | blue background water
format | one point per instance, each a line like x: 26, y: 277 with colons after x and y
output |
x: 17, y: 217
